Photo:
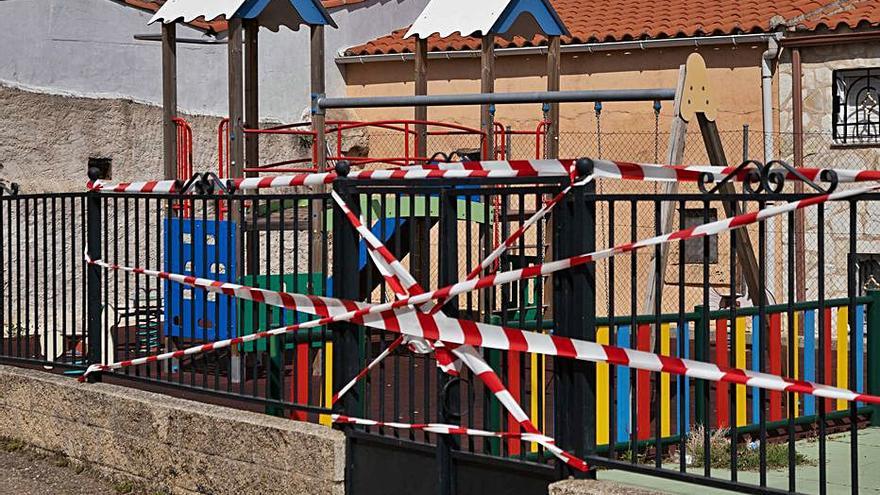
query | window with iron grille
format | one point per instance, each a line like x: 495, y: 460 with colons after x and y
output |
x: 856, y: 118
x: 693, y: 249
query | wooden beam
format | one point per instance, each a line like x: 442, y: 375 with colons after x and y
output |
x: 674, y: 156
x: 420, y: 229
x: 251, y: 92
x: 318, y: 88
x: 421, y: 88
x: 487, y: 85
x: 745, y: 252
x: 551, y: 148
x: 797, y: 106
x: 554, y: 71
x: 236, y: 143
x: 169, y: 100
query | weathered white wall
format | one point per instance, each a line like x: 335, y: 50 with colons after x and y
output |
x: 86, y: 48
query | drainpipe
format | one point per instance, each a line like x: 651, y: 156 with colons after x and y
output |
x: 767, y: 60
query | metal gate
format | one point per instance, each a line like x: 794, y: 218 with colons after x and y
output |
x: 440, y: 231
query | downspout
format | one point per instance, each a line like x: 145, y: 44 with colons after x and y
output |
x: 767, y: 59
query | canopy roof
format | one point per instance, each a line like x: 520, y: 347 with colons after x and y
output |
x: 507, y: 18
x: 271, y: 14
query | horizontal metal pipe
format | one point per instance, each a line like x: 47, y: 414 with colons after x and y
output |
x: 604, y: 95
x: 734, y: 40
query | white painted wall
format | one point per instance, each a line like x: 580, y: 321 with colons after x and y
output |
x: 86, y: 48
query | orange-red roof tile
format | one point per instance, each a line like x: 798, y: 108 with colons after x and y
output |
x: 622, y: 20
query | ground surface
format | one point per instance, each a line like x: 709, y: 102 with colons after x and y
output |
x: 838, y: 470
x: 24, y: 471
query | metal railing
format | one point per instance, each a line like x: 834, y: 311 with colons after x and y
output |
x: 614, y: 416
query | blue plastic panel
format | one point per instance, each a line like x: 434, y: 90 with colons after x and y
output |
x: 202, y: 249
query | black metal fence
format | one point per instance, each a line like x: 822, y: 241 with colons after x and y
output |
x: 297, y: 241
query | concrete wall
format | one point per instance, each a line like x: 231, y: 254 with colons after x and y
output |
x: 85, y: 48
x: 172, y: 444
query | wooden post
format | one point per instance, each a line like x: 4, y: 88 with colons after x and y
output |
x: 318, y: 88
x: 551, y: 147
x: 421, y: 88
x: 169, y: 100
x: 251, y: 93
x: 674, y: 156
x: 797, y: 104
x: 487, y: 85
x: 421, y: 226
x: 554, y: 70
x: 236, y: 143
x: 236, y: 156
x: 745, y: 252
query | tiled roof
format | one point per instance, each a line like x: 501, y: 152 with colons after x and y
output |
x: 219, y: 25
x: 623, y: 20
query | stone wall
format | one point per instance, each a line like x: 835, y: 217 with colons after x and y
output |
x: 171, y: 444
x: 820, y: 150
x: 45, y: 140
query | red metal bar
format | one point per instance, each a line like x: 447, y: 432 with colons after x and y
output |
x: 299, y: 386
x: 775, y: 350
x: 223, y: 148
x: 540, y: 131
x: 643, y: 343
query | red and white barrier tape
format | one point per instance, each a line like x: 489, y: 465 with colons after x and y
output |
x: 406, y: 284
x: 615, y: 169
x: 515, y: 236
x: 448, y: 330
x: 401, y: 282
x: 444, y: 429
x: 607, y: 169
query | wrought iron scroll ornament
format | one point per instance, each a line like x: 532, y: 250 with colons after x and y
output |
x: 767, y: 178
x: 8, y: 188
x: 203, y: 183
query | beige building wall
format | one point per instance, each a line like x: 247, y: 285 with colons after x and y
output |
x: 734, y: 72
x: 627, y: 130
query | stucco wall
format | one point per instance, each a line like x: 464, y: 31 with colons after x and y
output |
x: 174, y: 445
x: 86, y: 48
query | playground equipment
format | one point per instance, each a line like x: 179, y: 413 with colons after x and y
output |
x: 222, y: 291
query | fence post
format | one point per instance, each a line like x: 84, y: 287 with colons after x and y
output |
x: 701, y: 336
x: 450, y: 400
x: 347, y: 359
x: 874, y: 351
x: 574, y: 302
x: 93, y: 282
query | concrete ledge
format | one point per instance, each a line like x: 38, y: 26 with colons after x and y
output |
x: 178, y: 445
x: 596, y: 487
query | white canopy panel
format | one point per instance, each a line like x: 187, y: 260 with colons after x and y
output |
x: 270, y: 14
x: 505, y: 18
x: 467, y: 17
x: 190, y: 10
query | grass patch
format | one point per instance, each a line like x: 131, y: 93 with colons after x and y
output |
x: 11, y: 444
x: 123, y: 487
x: 748, y: 454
